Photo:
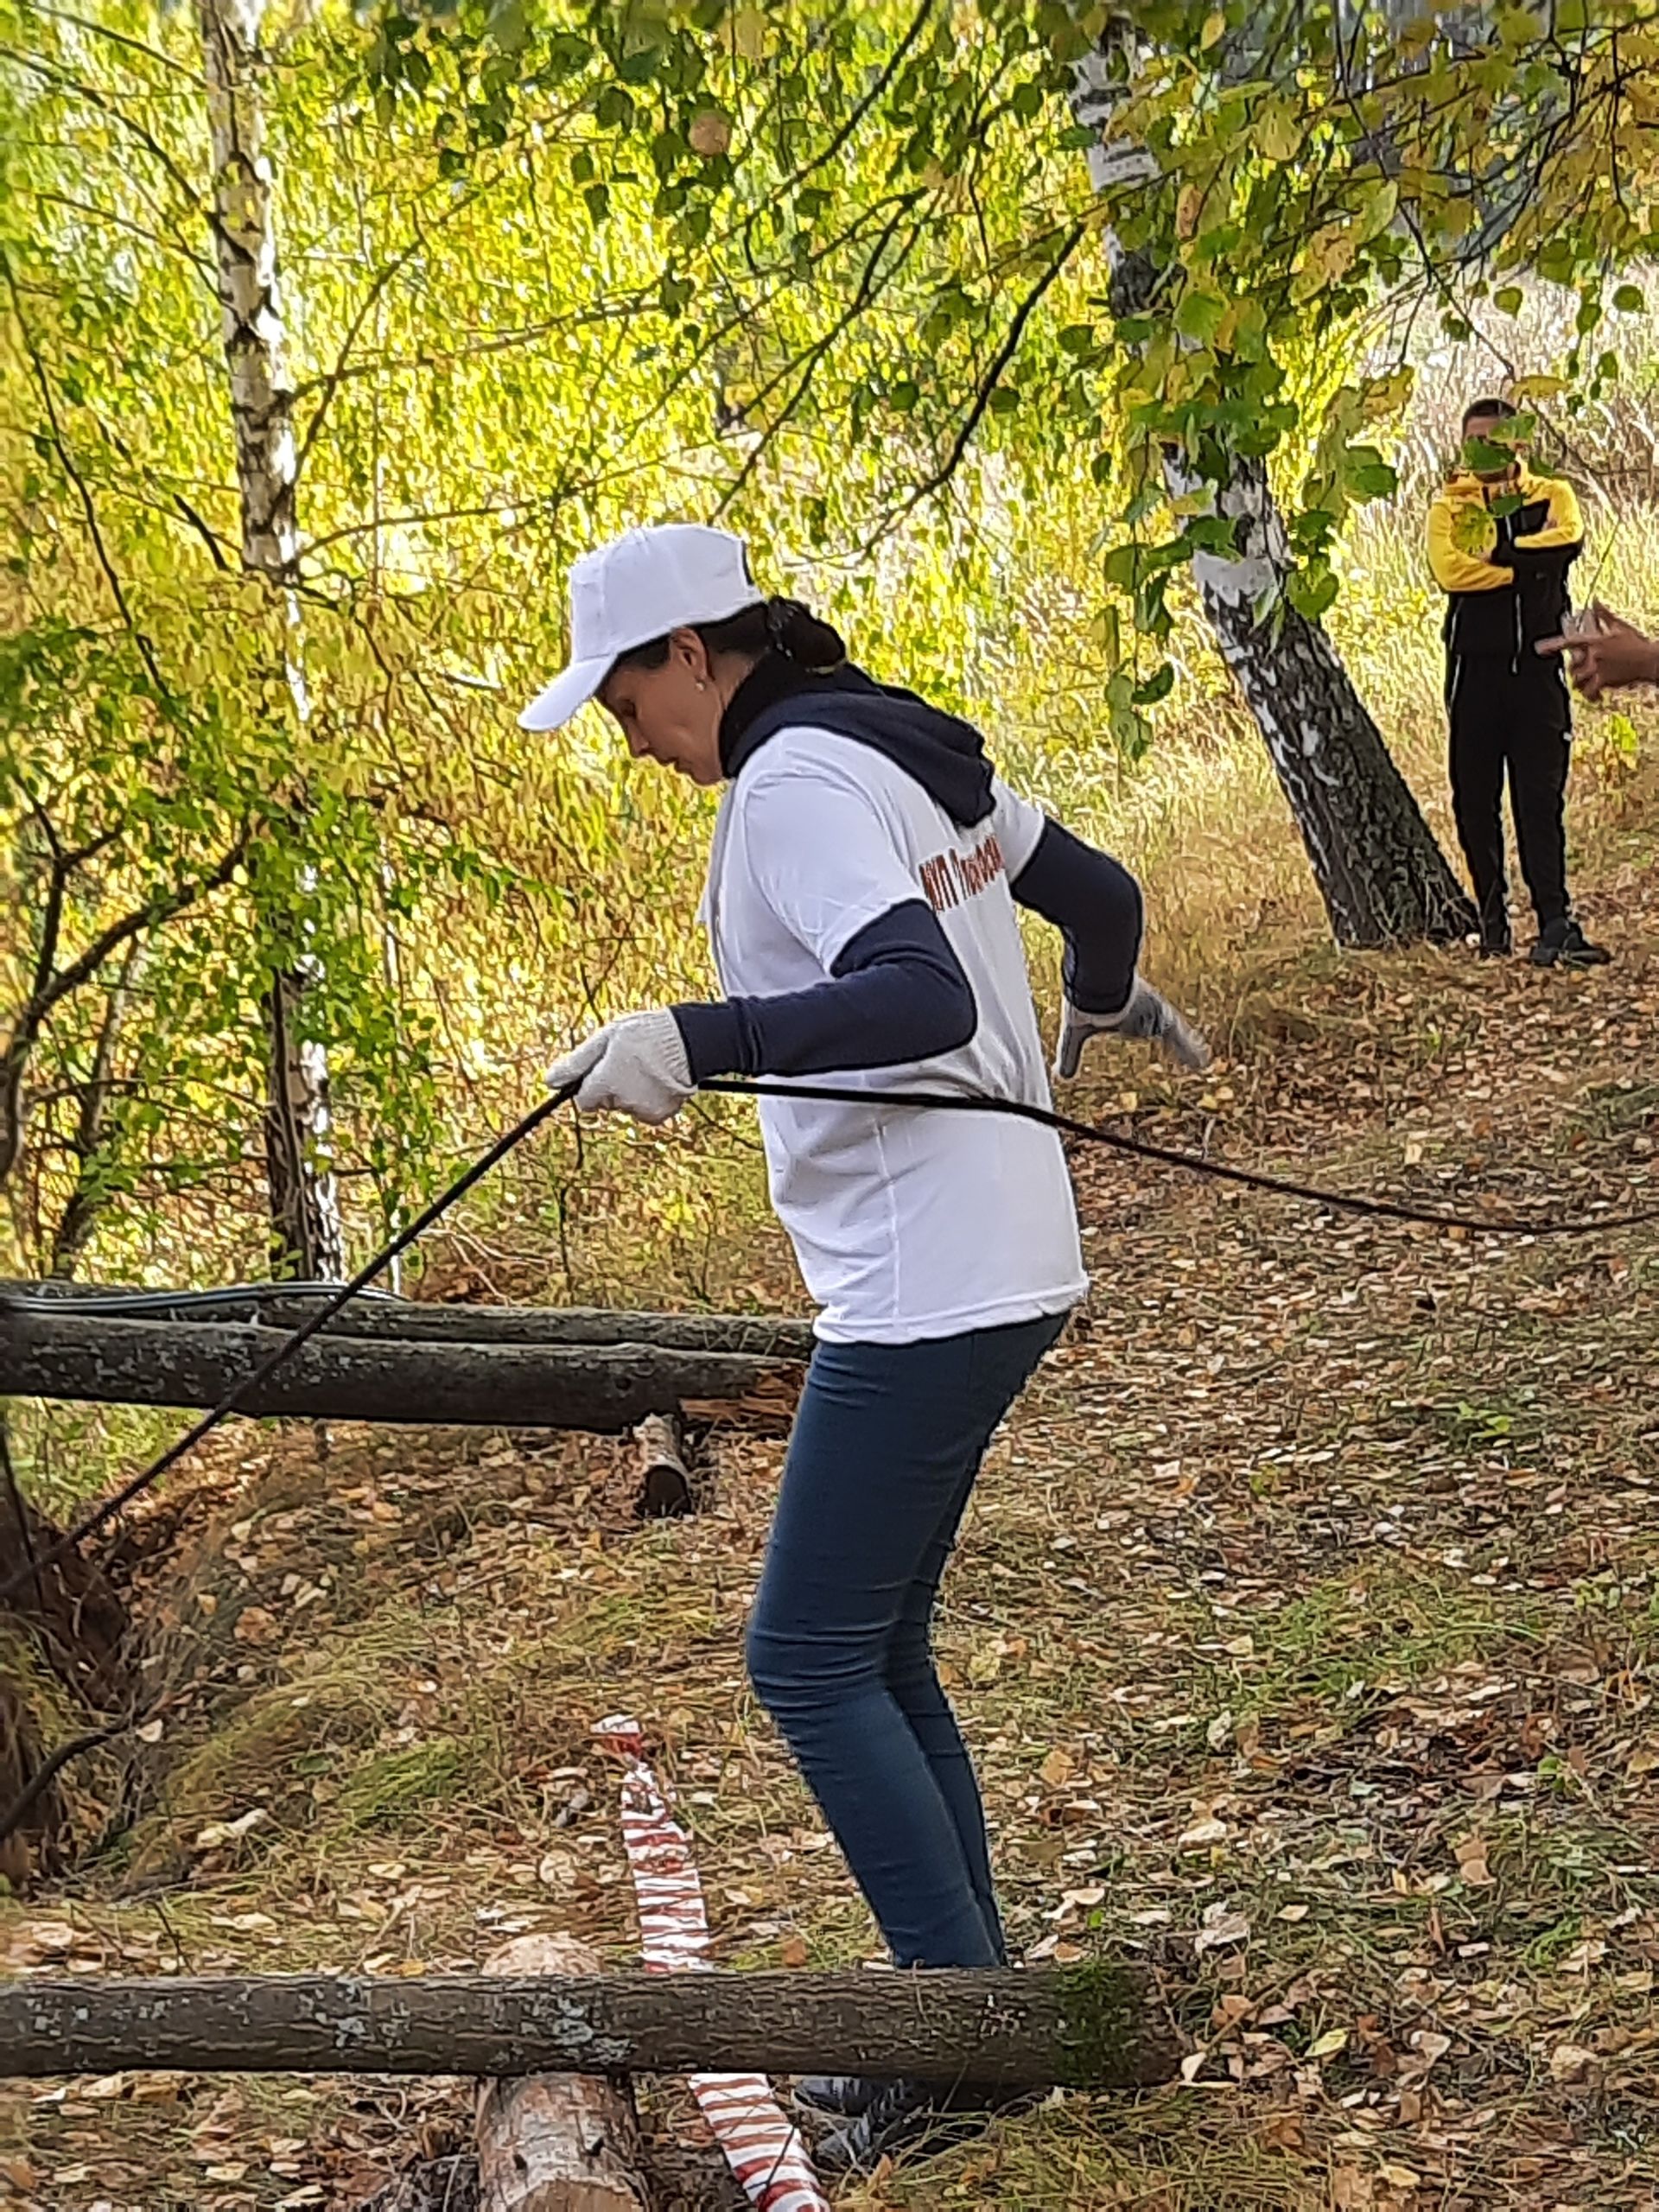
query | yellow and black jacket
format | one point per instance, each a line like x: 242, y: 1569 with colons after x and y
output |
x: 1504, y: 576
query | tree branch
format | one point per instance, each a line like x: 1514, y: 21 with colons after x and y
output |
x: 88, y: 508
x: 1005, y: 353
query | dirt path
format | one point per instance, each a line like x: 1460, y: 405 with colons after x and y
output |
x: 1307, y: 1623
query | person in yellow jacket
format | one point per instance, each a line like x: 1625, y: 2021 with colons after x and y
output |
x: 1501, y: 541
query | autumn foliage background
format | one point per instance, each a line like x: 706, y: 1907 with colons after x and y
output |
x: 1308, y: 1620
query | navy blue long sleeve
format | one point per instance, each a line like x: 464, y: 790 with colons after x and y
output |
x: 897, y: 994
x: 1096, y: 905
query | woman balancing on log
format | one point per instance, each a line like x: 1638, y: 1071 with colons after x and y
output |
x: 866, y: 867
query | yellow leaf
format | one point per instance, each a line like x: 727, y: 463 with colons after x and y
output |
x: 748, y: 28
x: 1276, y: 132
x: 1537, y: 387
x: 1474, y: 530
x: 1215, y: 27
x: 1332, y: 2041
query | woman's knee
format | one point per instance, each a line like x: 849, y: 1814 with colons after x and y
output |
x: 791, y: 1673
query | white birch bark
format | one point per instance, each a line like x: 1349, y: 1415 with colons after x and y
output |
x: 1381, y: 873
x: 304, y: 1195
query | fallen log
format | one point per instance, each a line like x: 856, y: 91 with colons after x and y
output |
x: 1086, y: 2027
x: 555, y: 2142
x: 194, y: 1364
x: 408, y: 1321
x: 760, y: 1336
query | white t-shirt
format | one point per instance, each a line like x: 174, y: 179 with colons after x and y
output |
x: 907, y: 1222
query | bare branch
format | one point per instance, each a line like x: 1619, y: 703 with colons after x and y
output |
x: 83, y: 490
x: 121, y: 38
x: 1005, y: 353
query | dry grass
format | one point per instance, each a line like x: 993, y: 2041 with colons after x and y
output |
x: 1313, y: 1594
x: 1313, y: 1597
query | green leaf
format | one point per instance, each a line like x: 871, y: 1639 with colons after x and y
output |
x: 1199, y: 315
x: 1482, y: 455
x: 1311, y: 592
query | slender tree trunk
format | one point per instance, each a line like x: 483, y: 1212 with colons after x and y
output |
x: 91, y: 1137
x: 306, y: 1236
x: 1380, y: 871
x: 304, y: 1198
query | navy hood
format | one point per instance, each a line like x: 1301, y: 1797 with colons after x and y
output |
x: 946, y: 754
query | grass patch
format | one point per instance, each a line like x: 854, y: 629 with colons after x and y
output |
x: 393, y: 1786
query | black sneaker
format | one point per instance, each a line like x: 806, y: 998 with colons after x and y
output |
x: 1564, y: 945
x: 836, y: 2096
x: 1496, y: 942
x: 914, y: 2113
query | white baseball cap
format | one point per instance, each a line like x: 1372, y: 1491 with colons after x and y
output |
x: 639, y: 587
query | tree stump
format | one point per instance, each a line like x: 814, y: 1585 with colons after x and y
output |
x: 555, y: 2142
x: 665, y: 1479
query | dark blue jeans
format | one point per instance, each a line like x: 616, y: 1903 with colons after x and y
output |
x: 884, y: 1450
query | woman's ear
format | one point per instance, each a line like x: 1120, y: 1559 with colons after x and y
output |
x: 688, y: 648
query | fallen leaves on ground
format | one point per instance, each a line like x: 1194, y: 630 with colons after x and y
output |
x: 1305, y: 1626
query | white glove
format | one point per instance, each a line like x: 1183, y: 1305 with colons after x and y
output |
x: 1147, y: 1013
x: 637, y: 1065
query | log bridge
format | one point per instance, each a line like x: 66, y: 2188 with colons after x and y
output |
x: 1085, y: 2026
x: 385, y: 1359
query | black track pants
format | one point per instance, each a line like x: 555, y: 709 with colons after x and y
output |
x: 1502, y: 721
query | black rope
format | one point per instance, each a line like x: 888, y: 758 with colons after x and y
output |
x: 835, y: 1094
x: 1194, y: 1163
x: 101, y: 1516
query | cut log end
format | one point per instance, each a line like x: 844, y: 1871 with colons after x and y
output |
x: 555, y: 2142
x: 665, y: 1491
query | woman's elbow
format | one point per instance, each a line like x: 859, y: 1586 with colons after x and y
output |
x: 957, y: 1015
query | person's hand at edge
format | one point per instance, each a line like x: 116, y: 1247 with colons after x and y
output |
x: 1608, y: 656
x: 637, y: 1065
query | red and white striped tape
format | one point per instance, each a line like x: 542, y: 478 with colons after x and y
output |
x: 763, y: 2149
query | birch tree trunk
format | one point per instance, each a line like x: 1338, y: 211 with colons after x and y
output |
x: 1380, y: 871
x: 304, y: 1197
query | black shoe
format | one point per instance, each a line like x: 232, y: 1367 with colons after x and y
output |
x: 1564, y: 945
x: 1496, y: 942
x: 914, y: 2113
x: 836, y: 2096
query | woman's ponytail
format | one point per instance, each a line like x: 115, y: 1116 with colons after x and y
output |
x: 779, y: 626
x: 803, y: 636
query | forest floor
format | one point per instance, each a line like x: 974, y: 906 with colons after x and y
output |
x: 1306, y: 1625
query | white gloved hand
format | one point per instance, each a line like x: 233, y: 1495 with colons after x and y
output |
x: 637, y: 1065
x: 1147, y: 1013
